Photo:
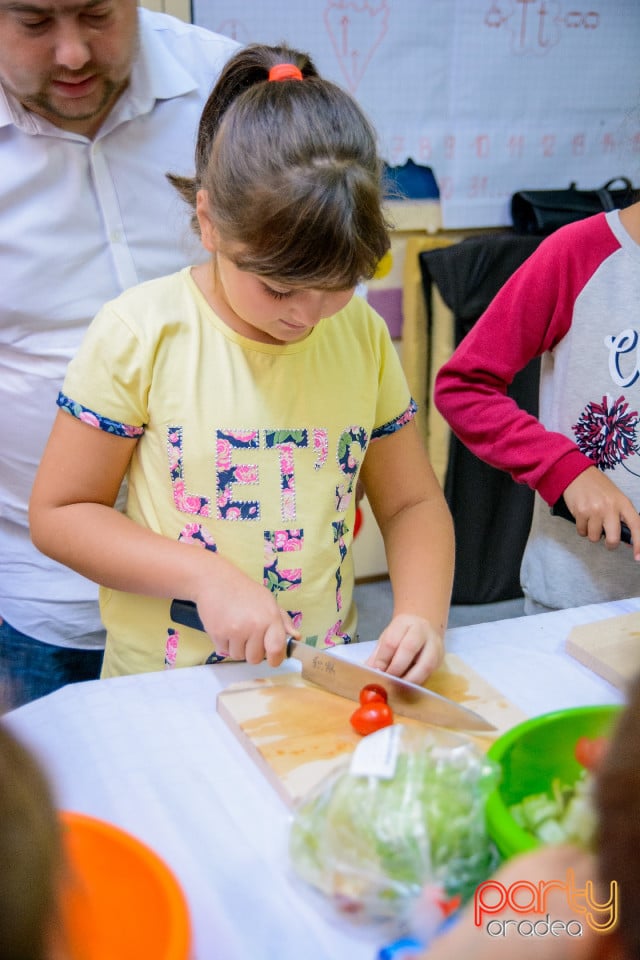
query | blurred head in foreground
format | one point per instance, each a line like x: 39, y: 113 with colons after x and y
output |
x: 618, y: 806
x: 30, y: 857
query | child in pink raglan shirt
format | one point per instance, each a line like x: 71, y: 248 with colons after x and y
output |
x: 574, y: 303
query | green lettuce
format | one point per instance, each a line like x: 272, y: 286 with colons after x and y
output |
x: 371, y: 844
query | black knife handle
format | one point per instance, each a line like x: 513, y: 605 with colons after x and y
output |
x: 186, y: 613
x: 560, y: 509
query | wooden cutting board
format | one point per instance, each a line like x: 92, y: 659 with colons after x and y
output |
x: 611, y: 648
x: 298, y: 732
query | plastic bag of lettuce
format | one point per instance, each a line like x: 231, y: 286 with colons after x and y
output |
x: 407, y: 810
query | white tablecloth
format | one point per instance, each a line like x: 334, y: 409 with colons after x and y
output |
x: 150, y: 754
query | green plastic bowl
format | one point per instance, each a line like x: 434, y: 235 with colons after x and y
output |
x: 530, y: 755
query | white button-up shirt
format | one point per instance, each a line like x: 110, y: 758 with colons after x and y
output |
x: 80, y: 221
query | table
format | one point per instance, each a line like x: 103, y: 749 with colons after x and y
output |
x: 150, y: 754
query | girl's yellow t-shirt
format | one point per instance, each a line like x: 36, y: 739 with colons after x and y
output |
x: 249, y: 449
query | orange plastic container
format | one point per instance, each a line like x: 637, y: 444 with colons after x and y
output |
x: 120, y: 901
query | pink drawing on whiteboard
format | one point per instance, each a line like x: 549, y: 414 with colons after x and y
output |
x: 356, y: 30
x: 235, y: 29
x: 536, y: 26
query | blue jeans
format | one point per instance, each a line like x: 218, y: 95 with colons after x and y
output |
x: 30, y: 669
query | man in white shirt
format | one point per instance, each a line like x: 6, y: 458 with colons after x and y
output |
x: 98, y: 101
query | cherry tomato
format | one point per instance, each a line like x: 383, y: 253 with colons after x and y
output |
x: 372, y: 691
x: 449, y: 905
x: 589, y: 751
x: 370, y: 717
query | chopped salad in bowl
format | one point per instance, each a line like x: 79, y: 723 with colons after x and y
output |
x: 545, y: 791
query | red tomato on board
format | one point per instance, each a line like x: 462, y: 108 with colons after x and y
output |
x: 589, y: 751
x: 371, y: 692
x: 370, y: 717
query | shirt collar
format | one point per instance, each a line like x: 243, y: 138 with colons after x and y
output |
x: 157, y: 74
x: 12, y: 112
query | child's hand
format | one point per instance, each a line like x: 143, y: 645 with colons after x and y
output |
x: 598, y: 505
x: 409, y: 648
x: 242, y: 617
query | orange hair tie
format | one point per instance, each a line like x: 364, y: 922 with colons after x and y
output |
x: 284, y: 71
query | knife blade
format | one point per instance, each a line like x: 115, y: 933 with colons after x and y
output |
x: 347, y: 679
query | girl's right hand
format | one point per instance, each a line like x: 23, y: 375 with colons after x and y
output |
x: 598, y: 506
x: 242, y: 617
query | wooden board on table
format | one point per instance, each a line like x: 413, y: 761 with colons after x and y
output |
x: 611, y: 648
x: 298, y: 732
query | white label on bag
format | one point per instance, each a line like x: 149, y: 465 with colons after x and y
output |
x: 376, y: 754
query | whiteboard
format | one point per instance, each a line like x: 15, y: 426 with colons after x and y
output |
x: 493, y: 95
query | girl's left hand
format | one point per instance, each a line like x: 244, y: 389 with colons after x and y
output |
x: 409, y: 647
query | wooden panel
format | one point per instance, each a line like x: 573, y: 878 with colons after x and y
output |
x: 298, y: 733
x: 177, y: 8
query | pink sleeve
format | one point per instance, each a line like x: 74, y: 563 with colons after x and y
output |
x: 530, y: 315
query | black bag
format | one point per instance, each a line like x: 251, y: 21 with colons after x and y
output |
x: 540, y: 212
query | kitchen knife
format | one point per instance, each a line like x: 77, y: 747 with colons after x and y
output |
x: 347, y: 679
